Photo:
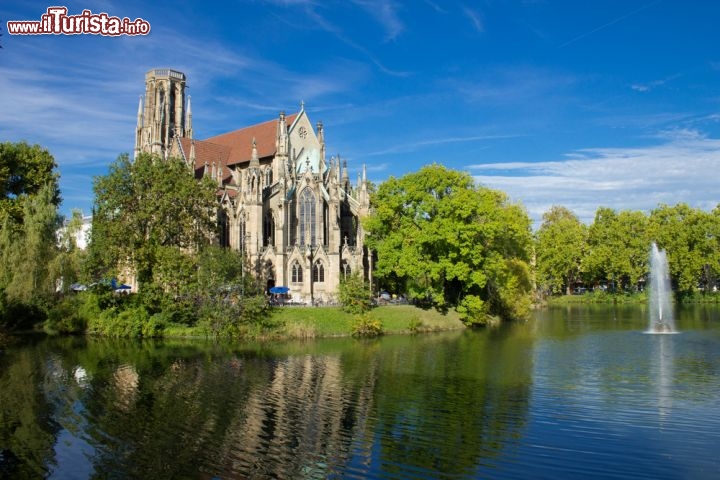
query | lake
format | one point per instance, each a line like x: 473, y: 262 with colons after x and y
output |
x: 576, y: 392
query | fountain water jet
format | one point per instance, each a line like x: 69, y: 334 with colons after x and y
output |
x: 661, y: 314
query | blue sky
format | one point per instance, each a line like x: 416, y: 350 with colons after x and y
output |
x: 575, y: 103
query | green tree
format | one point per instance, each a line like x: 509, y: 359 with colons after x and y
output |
x: 24, y: 171
x: 36, y: 247
x: 354, y: 294
x: 690, y: 237
x: 454, y: 243
x: 29, y: 197
x: 223, y: 269
x: 618, y: 247
x: 560, y: 248
x: 144, y: 206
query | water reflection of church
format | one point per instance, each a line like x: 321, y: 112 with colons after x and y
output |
x: 292, y: 213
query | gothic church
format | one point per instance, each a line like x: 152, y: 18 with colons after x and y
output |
x: 280, y: 202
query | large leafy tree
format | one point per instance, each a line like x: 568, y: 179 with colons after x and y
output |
x: 29, y: 196
x: 692, y: 240
x: 618, y: 247
x: 29, y: 249
x: 441, y: 237
x: 560, y: 248
x: 24, y: 171
x: 144, y: 208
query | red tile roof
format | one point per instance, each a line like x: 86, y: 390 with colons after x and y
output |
x: 207, y: 153
x: 235, y: 147
x: 240, y: 141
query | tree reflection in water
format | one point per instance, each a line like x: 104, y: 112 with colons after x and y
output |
x: 432, y: 405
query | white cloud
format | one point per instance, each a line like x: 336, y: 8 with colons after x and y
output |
x: 385, y: 13
x: 475, y: 19
x: 680, y: 170
x: 646, y: 87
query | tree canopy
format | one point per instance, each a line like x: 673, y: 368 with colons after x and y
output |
x: 614, y: 249
x: 145, y: 207
x: 29, y: 196
x: 24, y: 171
x: 691, y: 238
x: 560, y: 245
x: 441, y: 238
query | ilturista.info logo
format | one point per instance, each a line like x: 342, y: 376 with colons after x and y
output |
x: 56, y: 21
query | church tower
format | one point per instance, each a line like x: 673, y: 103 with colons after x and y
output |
x: 165, y: 115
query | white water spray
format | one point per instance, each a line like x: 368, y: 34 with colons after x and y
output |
x: 661, y: 318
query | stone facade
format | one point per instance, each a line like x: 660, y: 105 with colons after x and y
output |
x: 293, y: 214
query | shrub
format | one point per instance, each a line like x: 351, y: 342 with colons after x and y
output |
x: 366, y: 326
x: 235, y: 317
x: 19, y: 315
x: 154, y: 326
x: 414, y: 324
x: 472, y: 311
x: 255, y: 310
x: 131, y: 322
x: 354, y: 294
x: 66, y: 316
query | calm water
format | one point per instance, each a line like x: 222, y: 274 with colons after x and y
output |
x: 575, y: 393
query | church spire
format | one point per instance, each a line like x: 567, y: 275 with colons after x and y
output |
x: 254, y: 162
x: 364, y: 194
x: 282, y: 135
x: 321, y: 140
x: 140, y: 113
x: 139, y: 128
x: 280, y: 164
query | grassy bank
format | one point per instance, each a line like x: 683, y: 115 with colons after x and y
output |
x: 304, y: 322
x: 323, y: 322
x: 629, y: 298
x: 598, y: 297
x: 127, y: 317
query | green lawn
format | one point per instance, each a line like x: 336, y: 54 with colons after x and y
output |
x: 307, y: 322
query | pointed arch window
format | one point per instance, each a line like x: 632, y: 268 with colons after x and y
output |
x: 224, y: 228
x: 318, y: 272
x: 346, y: 270
x: 307, y: 218
x: 268, y: 230
x: 296, y: 272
